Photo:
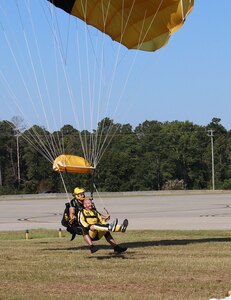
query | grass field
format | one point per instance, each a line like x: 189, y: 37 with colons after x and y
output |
x: 158, y: 265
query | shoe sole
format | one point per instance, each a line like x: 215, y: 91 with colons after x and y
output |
x: 114, y: 226
x: 94, y: 250
x: 124, y: 225
x: 121, y: 250
x: 73, y: 236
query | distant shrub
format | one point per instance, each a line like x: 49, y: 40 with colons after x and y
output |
x: 226, y: 184
x: 4, y: 190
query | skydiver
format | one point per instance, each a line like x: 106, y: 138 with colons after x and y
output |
x: 96, y: 227
x: 70, y: 218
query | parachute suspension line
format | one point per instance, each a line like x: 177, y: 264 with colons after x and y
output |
x: 52, y: 142
x: 123, y: 27
x: 89, y: 141
x: 101, y: 140
x: 93, y: 142
x: 134, y: 58
x: 35, y: 136
x: 182, y: 10
x: 92, y: 184
x: 67, y: 81
x: 10, y: 91
x: 19, y: 71
x: 60, y: 140
x: 81, y: 91
x: 34, y: 145
x: 86, y: 141
x: 100, y: 198
x: 88, y: 144
x: 59, y: 133
x: 38, y: 145
x: 68, y: 178
x: 56, y: 36
x: 34, y: 74
x: 94, y: 137
x: 18, y: 67
x: 64, y: 185
x: 101, y: 144
x: 103, y: 147
x: 83, y: 141
x: 126, y: 23
x: 63, y: 56
x: 98, y: 136
x: 94, y: 145
x: 102, y: 85
x: 150, y: 24
x: 89, y: 90
x: 67, y: 42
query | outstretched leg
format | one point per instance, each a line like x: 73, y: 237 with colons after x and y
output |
x: 112, y: 242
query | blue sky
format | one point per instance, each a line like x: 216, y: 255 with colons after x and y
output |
x: 189, y: 79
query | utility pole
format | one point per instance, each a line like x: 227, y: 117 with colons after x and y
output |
x: 210, y: 133
x: 18, y: 128
x: 0, y: 176
x: 18, y: 156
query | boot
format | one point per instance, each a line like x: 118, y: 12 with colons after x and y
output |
x: 119, y: 249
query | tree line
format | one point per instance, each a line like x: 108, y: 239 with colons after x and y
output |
x: 152, y: 156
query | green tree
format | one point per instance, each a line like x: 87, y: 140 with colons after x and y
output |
x: 221, y: 150
x: 8, y: 161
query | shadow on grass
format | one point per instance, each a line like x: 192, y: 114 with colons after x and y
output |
x: 142, y: 244
x: 111, y: 254
x: 175, y: 242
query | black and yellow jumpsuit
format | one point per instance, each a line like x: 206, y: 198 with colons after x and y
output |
x: 93, y: 217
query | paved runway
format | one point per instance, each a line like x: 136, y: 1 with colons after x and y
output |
x: 205, y: 211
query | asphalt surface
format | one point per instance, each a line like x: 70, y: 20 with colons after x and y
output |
x: 183, y: 212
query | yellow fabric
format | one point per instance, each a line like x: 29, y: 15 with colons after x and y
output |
x: 90, y: 217
x: 118, y: 228
x: 78, y: 190
x: 137, y: 24
x: 96, y: 235
x: 72, y: 164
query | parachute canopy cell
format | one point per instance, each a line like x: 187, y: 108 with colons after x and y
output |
x: 137, y: 24
x: 72, y: 164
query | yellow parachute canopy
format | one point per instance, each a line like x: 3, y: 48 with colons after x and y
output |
x: 72, y: 164
x: 137, y: 24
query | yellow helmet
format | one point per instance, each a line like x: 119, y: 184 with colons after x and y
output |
x: 78, y: 191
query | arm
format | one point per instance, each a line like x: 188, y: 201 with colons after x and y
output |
x: 107, y: 216
x: 72, y: 214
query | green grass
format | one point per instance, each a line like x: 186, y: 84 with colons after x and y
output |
x: 158, y: 265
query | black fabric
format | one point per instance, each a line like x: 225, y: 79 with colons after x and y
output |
x: 77, y: 205
x: 65, y: 218
x: 74, y: 230
x: 119, y: 249
x: 66, y: 214
x: 77, y: 230
x: 66, y: 5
